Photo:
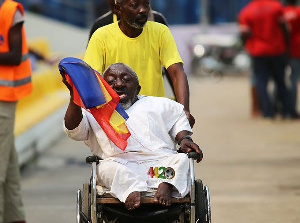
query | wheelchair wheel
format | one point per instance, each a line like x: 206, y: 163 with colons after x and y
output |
x: 83, y: 205
x: 202, y: 206
x: 78, y: 207
x: 208, y: 204
x: 86, y: 210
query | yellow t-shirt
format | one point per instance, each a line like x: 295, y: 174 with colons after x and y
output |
x: 146, y: 54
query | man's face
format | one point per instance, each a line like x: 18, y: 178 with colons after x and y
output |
x: 123, y: 83
x: 135, y: 12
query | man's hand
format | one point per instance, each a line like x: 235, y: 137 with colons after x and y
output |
x: 187, y: 145
x: 65, y: 81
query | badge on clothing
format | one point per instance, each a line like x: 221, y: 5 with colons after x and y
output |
x: 161, y: 172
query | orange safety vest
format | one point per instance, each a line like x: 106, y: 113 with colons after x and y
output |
x: 15, y: 81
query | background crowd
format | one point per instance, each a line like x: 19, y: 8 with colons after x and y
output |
x: 271, y: 34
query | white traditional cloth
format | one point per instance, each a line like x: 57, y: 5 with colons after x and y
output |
x: 153, y: 123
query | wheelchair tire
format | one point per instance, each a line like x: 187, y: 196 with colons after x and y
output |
x: 78, y: 207
x: 86, y: 208
x: 201, y: 204
x: 208, y: 218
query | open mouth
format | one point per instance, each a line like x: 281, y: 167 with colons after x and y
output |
x: 142, y: 19
x: 122, y: 95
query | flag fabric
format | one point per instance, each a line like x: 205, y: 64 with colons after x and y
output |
x: 94, y: 94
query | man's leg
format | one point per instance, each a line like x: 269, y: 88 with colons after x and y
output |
x: 163, y: 194
x: 11, y: 207
x: 278, y: 65
x: 120, y: 179
x: 172, y: 170
x: 255, y: 106
x: 133, y: 200
x: 294, y: 78
x: 170, y: 177
x: 262, y: 73
x: 14, y: 211
x: 4, y: 151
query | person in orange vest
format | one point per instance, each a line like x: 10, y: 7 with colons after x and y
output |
x: 15, y: 83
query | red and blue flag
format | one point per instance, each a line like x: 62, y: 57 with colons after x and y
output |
x: 94, y: 94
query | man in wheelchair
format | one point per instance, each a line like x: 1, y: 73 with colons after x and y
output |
x: 150, y: 160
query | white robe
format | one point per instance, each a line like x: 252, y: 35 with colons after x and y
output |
x: 153, y: 123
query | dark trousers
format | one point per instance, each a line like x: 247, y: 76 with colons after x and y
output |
x: 264, y: 69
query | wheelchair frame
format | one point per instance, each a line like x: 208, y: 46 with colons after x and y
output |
x: 196, y: 205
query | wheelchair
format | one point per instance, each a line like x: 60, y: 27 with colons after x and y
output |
x: 96, y: 207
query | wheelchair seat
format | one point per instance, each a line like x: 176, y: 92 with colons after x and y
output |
x: 96, y: 205
x: 103, y: 197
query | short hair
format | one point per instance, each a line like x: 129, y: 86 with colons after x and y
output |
x: 131, y: 71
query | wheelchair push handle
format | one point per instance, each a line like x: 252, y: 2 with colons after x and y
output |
x: 92, y: 159
x: 193, y: 155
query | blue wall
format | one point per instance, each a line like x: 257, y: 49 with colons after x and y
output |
x: 178, y: 11
x: 189, y: 11
x: 83, y: 12
x: 222, y: 11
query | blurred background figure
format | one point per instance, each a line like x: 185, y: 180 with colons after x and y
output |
x: 264, y: 32
x: 15, y: 83
x: 36, y: 57
x: 292, y: 16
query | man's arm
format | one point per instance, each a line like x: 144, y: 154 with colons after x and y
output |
x: 14, y: 55
x: 244, y: 32
x: 286, y: 33
x: 245, y: 35
x: 73, y: 114
x: 244, y: 29
x: 181, y: 87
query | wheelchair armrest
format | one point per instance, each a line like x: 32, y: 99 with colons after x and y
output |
x: 92, y: 159
x: 193, y: 155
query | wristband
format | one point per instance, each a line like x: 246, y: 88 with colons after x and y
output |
x: 185, y: 137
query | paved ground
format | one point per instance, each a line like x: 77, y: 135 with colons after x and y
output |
x: 251, y: 166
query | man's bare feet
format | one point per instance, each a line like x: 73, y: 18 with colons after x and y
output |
x: 163, y: 194
x: 133, y: 200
